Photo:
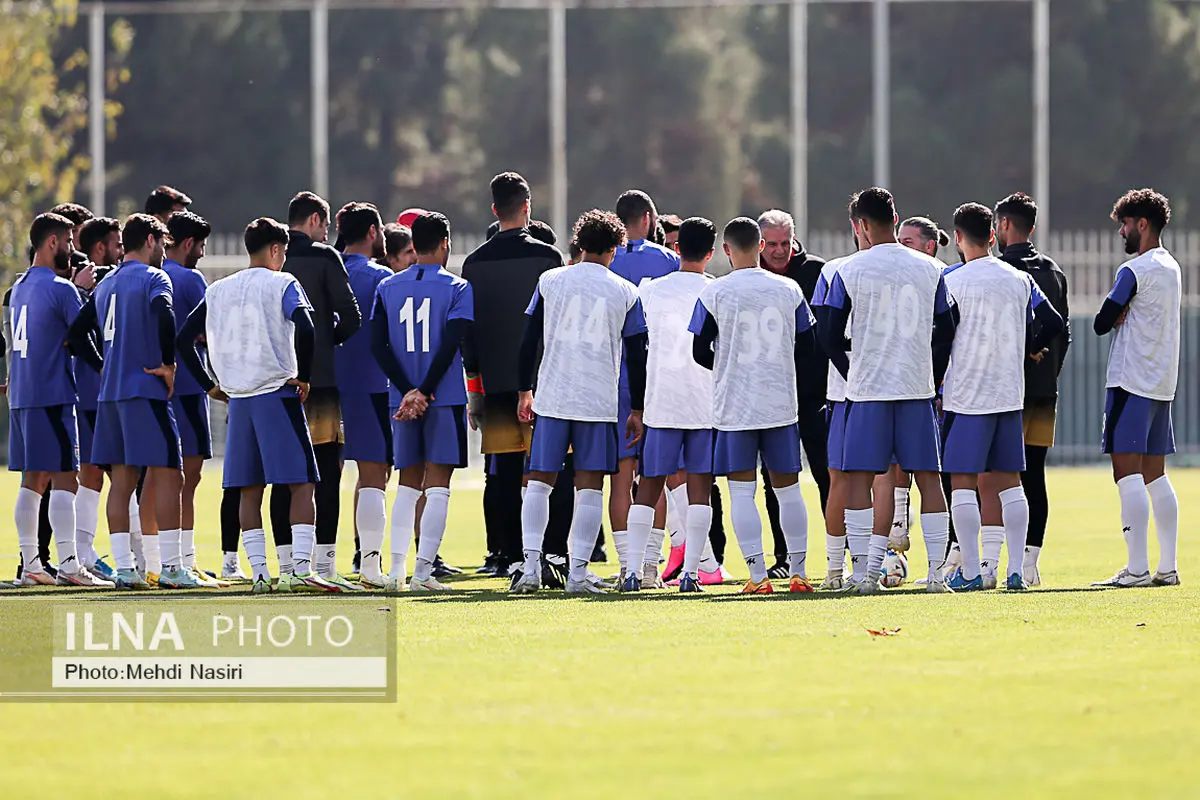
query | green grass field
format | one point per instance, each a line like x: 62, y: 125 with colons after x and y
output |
x: 1060, y: 692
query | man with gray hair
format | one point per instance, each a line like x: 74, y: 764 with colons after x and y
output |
x: 784, y: 255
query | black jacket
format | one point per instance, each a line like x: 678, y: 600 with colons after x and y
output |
x: 1041, y: 380
x: 335, y: 313
x: 812, y: 371
x: 503, y: 272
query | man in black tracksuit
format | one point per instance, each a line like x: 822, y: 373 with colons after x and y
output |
x: 784, y: 255
x: 1016, y: 216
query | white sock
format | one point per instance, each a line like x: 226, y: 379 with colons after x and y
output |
x: 135, y: 515
x: 325, y: 559
x: 87, y: 516
x: 747, y: 527
x: 371, y: 519
x: 900, y: 509
x: 793, y: 518
x: 303, y: 539
x: 621, y: 542
x: 708, y: 559
x: 135, y: 534
x: 187, y: 549
x: 1031, y: 556
x: 1015, y: 508
x: 859, y: 522
x: 835, y: 555
x: 62, y: 522
x: 26, y: 511
x: 877, y: 549
x: 433, y: 529
x: 964, y: 506
x: 1166, y: 521
x: 1135, y: 522
x: 153, y: 554
x: 122, y: 554
x: 992, y: 537
x: 935, y: 527
x: 639, y: 521
x: 255, y: 542
x: 168, y: 542
x: 585, y: 529
x: 283, y: 553
x: 653, y: 549
x: 677, y: 508
x: 699, y: 520
x: 535, y: 515
x: 404, y: 523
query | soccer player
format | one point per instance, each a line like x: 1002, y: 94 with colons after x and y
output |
x: 750, y: 328
x: 336, y: 316
x: 1016, y: 216
x: 1143, y: 372
x: 421, y: 317
x: 984, y: 393
x: 894, y: 302
x: 187, y: 235
x: 784, y: 255
x: 41, y: 395
x: 363, y: 389
x: 399, y: 253
x: 259, y: 336
x: 135, y: 424
x: 580, y: 315
x: 679, y: 406
x: 638, y: 261
x: 165, y: 201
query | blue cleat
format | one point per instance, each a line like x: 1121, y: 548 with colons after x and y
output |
x: 688, y: 584
x: 102, y: 570
x: 1016, y: 583
x: 632, y: 582
x: 958, y: 583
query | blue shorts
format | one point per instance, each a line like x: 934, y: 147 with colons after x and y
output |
x: 195, y: 433
x: 139, y: 432
x: 366, y: 427
x: 43, y: 439
x: 665, y: 451
x: 877, y: 431
x: 624, y: 409
x: 268, y: 441
x: 738, y: 451
x: 973, y: 444
x: 594, y: 445
x: 86, y: 418
x: 837, y: 433
x: 439, y: 436
x: 1136, y: 424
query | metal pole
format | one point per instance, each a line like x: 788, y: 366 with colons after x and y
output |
x: 799, y: 54
x: 881, y: 58
x: 1041, y: 114
x: 558, y: 120
x: 96, y: 119
x: 320, y: 97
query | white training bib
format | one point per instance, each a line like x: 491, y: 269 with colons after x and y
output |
x: 1144, y: 359
x: 251, y: 345
x: 679, y: 392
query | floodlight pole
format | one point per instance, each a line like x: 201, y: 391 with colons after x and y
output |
x: 558, y: 120
x: 799, y: 60
x: 96, y: 126
x: 881, y: 60
x: 320, y: 97
x: 1041, y: 114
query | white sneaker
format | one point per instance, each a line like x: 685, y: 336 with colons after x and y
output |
x: 1033, y: 577
x: 1126, y: 580
x: 861, y: 586
x: 430, y: 584
x: 1165, y: 578
x: 82, y: 577
x: 373, y: 581
x: 650, y: 577
x: 990, y: 578
x: 36, y: 579
x: 233, y: 573
x: 599, y: 582
x: 937, y: 585
x: 832, y: 583
x: 583, y: 587
x: 526, y: 584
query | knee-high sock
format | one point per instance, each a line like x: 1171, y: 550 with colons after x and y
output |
x: 433, y: 529
x: 371, y: 518
x: 699, y: 520
x: 404, y: 525
x: 935, y: 527
x: 964, y: 507
x: 835, y: 555
x: 328, y: 492
x: 1015, y: 509
x: 231, y: 521
x: 87, y: 516
x: 304, y: 538
x: 876, y: 551
x: 26, y: 511
x: 793, y: 518
x: 255, y: 542
x: 585, y: 528
x: 1166, y: 520
x: 992, y: 539
x: 653, y: 550
x: 639, y: 521
x: 1135, y: 522
x: 136, y: 543
x: 1033, y: 479
x: 535, y: 515
x: 45, y: 530
x: 900, y: 509
x: 859, y: 522
x: 677, y: 508
x: 747, y: 527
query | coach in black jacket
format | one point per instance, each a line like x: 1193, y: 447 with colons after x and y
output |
x: 1016, y: 216
x: 783, y: 254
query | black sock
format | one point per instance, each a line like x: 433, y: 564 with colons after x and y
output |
x: 1034, y: 481
x: 328, y: 496
x: 281, y: 515
x: 231, y: 525
x: 716, y: 532
x: 45, y: 532
x: 949, y: 491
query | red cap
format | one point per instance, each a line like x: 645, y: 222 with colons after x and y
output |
x: 407, y: 216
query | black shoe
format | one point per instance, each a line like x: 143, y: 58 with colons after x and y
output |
x: 555, y: 571
x: 443, y: 570
x: 599, y: 555
x: 491, y: 565
x: 780, y: 571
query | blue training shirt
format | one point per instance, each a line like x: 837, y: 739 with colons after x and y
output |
x: 418, y: 303
x: 42, y: 306
x: 188, y: 286
x: 356, y: 368
x: 129, y: 331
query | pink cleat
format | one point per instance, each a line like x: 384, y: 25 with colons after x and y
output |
x: 714, y: 578
x: 674, y: 565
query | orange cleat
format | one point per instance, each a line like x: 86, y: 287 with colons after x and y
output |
x: 800, y: 586
x: 758, y: 588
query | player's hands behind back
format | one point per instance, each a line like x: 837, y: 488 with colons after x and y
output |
x: 167, y: 373
x: 301, y: 388
x: 634, y: 429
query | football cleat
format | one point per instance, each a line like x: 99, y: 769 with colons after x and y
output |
x: 179, y: 579
x: 233, y: 574
x: 832, y: 583
x: 632, y: 583
x: 1126, y: 580
x: 491, y: 563
x: 443, y: 570
x: 1032, y: 575
x: 799, y: 585
x: 1165, y: 578
x: 937, y: 585
x: 41, y: 578
x: 206, y: 580
x: 990, y: 578
x: 898, y: 538
x: 311, y: 582
x: 583, y: 587
x: 524, y: 584
x: 959, y: 583
x: 762, y: 587
x: 341, y: 584
x: 7, y: 585
x: 953, y: 560
x: 554, y: 571
x: 430, y: 584
x: 131, y: 579
x: 650, y: 577
x: 780, y: 570
x: 1016, y: 583
x: 674, y: 563
x: 714, y: 578
x: 101, y: 569
x: 152, y: 578
x: 860, y: 586
x: 688, y: 584
x: 261, y: 586
x: 373, y: 581
x: 599, y: 582
x: 82, y: 577
x: 394, y: 585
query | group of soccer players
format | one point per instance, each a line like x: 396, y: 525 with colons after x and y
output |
x: 634, y: 364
